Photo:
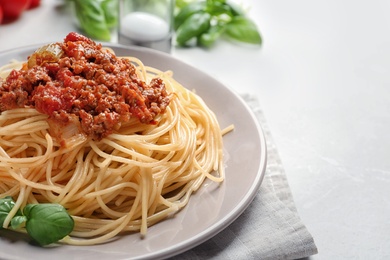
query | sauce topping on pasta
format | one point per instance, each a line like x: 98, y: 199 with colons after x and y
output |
x: 79, y: 82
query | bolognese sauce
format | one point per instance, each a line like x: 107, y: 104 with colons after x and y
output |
x: 78, y: 78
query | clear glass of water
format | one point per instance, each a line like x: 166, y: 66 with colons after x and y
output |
x: 147, y: 23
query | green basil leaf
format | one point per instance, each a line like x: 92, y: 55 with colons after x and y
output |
x: 216, y: 1
x: 192, y: 27
x: 6, y: 205
x: 182, y: 3
x: 18, y: 221
x: 92, y: 19
x: 187, y: 11
x: 218, y: 8
x: 208, y: 38
x: 110, y: 9
x: 47, y: 223
x: 244, y: 30
x: 235, y: 9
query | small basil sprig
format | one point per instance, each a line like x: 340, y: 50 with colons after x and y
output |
x: 97, y: 17
x: 46, y: 223
x: 6, y: 205
x: 205, y: 21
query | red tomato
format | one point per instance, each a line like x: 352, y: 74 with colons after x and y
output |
x: 34, y: 3
x: 1, y: 14
x: 12, y: 9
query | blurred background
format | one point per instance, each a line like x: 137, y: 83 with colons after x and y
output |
x: 321, y: 74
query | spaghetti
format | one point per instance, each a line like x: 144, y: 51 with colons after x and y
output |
x: 136, y: 176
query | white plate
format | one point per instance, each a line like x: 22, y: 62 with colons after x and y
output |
x: 209, y: 211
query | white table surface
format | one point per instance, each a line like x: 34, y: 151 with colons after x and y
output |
x: 322, y: 77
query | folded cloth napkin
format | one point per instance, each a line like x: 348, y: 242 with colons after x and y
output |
x: 270, y: 228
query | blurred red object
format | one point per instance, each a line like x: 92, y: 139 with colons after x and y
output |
x: 34, y: 3
x: 1, y: 14
x: 12, y: 9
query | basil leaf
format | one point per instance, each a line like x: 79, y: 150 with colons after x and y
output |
x: 244, y: 30
x: 18, y: 221
x: 192, y: 27
x: 182, y: 3
x: 235, y: 9
x: 187, y: 11
x: 47, y: 223
x: 217, y: 8
x: 92, y: 19
x: 216, y: 1
x: 6, y: 205
x: 110, y: 9
x: 208, y: 38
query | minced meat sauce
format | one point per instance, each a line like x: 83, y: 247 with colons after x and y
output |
x: 79, y: 78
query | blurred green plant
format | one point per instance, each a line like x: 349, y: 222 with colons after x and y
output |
x: 97, y: 17
x: 203, y: 22
x: 196, y: 22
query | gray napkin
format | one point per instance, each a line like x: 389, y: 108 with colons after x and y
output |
x: 270, y: 228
